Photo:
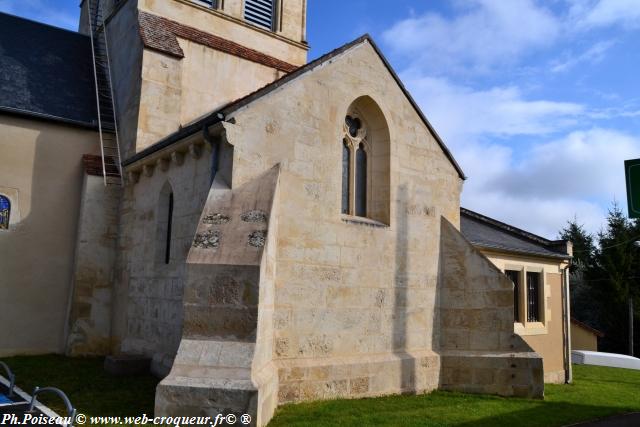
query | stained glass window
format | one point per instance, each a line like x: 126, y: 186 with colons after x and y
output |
x: 5, y: 211
x: 346, y: 169
x: 354, y: 125
x: 361, y: 181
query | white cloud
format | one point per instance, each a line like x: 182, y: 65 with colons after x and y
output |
x: 487, y: 33
x: 577, y: 175
x: 594, y: 54
x: 461, y: 112
x: 602, y: 13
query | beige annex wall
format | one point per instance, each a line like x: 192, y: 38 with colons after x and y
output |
x: 582, y: 339
x: 546, y: 337
x: 41, y: 172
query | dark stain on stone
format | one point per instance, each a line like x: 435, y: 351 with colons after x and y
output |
x: 257, y: 238
x: 255, y: 215
x: 216, y: 219
x: 208, y: 240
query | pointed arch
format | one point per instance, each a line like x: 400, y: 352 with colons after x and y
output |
x: 366, y: 148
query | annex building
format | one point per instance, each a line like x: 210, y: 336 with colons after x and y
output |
x: 178, y: 182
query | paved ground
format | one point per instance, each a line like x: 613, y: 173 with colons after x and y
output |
x: 627, y: 420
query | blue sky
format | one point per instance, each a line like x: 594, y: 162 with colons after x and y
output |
x: 538, y: 100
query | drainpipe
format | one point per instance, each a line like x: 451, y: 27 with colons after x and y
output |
x: 566, y: 309
x: 215, y: 146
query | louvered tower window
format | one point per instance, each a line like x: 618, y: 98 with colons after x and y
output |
x: 260, y: 13
x: 213, y: 4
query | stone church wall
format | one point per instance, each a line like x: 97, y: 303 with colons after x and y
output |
x: 354, y: 299
x: 148, y: 314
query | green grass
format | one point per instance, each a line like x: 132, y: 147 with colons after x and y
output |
x: 597, y: 392
x: 90, y: 389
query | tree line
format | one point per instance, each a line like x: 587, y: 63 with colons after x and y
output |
x: 605, y: 280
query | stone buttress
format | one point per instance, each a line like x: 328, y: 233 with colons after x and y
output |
x: 224, y: 364
x: 479, y: 350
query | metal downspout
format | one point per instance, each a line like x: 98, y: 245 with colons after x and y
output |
x: 566, y: 309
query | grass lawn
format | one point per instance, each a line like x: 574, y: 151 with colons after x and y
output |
x: 597, y: 392
x: 90, y: 389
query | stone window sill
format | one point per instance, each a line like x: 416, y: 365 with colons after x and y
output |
x: 363, y: 221
x: 530, y: 328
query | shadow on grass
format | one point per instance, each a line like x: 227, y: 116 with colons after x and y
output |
x: 549, y: 415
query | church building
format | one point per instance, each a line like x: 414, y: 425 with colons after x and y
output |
x: 179, y: 183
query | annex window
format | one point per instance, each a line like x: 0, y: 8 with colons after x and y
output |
x: 365, y: 162
x: 5, y: 212
x: 514, y: 276
x: 533, y: 297
x: 164, y: 226
x: 260, y: 13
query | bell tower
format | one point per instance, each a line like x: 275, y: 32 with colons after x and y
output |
x: 174, y: 60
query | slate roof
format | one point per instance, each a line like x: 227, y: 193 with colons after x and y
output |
x: 219, y: 115
x: 46, y: 72
x: 488, y: 233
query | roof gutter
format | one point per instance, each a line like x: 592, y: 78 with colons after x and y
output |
x: 47, y: 117
x: 185, y: 132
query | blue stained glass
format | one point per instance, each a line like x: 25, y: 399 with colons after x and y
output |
x: 5, y: 211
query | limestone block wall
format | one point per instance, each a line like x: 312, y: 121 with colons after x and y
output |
x: 287, y: 43
x: 221, y: 355
x: 91, y: 298
x: 354, y: 299
x: 479, y: 350
x: 148, y: 299
x: 175, y: 91
x: 41, y: 174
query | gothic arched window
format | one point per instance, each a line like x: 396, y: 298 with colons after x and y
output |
x: 5, y: 212
x: 365, y: 162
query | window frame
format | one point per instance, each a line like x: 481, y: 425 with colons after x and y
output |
x: 517, y: 290
x: 525, y: 326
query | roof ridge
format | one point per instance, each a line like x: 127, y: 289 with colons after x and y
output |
x: 218, y: 114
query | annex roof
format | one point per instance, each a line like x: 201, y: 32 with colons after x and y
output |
x: 219, y: 114
x: 488, y: 233
x: 46, y: 72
